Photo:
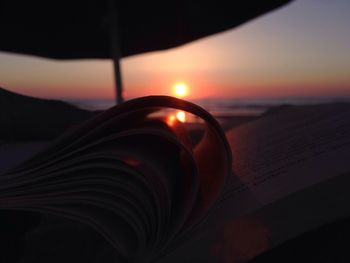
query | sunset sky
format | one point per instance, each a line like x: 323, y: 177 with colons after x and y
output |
x: 302, y: 49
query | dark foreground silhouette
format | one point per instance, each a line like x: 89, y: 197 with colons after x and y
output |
x: 130, y: 185
x: 29, y: 118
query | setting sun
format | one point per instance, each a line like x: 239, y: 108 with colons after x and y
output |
x: 180, y: 89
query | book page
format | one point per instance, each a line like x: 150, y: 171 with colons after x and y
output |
x: 134, y: 178
x: 289, y: 176
x: 14, y: 153
x: 289, y: 150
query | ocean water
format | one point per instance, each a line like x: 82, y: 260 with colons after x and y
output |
x: 226, y: 107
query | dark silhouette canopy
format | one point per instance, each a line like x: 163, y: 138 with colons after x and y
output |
x: 77, y: 29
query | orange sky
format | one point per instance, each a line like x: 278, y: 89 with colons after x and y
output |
x: 299, y: 50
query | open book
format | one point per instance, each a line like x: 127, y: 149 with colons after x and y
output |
x: 135, y: 176
x: 291, y: 174
x: 131, y: 173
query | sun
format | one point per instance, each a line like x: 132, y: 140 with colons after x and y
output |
x: 180, y: 89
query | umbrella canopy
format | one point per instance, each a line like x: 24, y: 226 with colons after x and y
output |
x: 77, y: 29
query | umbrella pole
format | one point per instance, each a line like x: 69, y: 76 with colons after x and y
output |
x: 118, y: 80
x: 115, y: 50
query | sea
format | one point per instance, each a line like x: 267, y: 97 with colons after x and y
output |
x: 226, y: 107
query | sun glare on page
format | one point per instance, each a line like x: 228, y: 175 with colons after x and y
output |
x: 171, y: 120
x: 181, y: 116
